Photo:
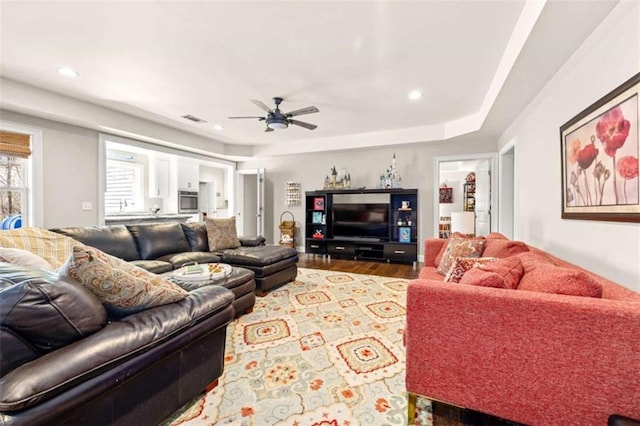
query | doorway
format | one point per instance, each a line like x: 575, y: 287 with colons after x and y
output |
x: 455, y: 173
x: 250, y: 213
x: 506, y: 211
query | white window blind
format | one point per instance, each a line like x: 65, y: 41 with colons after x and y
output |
x: 124, y: 189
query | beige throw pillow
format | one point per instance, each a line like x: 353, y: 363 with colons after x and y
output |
x: 122, y: 288
x: 222, y: 233
x: 52, y: 247
x: 16, y: 256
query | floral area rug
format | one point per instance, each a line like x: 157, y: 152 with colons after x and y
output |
x: 324, y: 350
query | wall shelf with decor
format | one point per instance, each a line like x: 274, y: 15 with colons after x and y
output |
x: 384, y: 229
x: 469, y: 196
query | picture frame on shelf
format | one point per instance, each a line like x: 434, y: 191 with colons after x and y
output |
x: 316, y: 218
x: 404, y: 234
x: 318, y: 203
x: 599, y: 158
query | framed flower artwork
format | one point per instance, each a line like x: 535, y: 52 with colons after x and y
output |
x: 600, y: 158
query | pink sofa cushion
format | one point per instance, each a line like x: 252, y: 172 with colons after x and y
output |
x: 476, y: 276
x: 496, y: 236
x: 530, y: 260
x: 509, y: 269
x: 462, y: 264
x: 503, y: 248
x: 429, y: 273
x: 460, y: 247
x: 548, y: 278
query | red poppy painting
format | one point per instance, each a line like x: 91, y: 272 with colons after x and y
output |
x: 600, y: 148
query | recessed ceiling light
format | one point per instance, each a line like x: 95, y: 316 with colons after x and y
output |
x: 414, y: 95
x: 218, y: 127
x: 68, y: 72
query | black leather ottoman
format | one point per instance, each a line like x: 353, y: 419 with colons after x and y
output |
x: 240, y: 282
x: 273, y: 265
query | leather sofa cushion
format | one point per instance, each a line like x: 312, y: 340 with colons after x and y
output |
x: 158, y: 239
x: 196, y: 233
x: 115, y: 240
x: 258, y: 255
x: 115, y: 343
x: 40, y: 313
x: 251, y: 241
x: 177, y: 260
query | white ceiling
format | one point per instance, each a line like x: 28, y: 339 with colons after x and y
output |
x: 478, y: 63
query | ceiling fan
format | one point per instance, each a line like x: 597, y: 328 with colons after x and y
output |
x: 277, y: 119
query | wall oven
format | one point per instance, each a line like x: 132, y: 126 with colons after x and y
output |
x: 187, y: 202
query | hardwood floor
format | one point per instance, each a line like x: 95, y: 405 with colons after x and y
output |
x: 382, y: 268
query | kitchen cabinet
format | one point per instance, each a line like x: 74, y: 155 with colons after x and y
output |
x: 188, y: 175
x: 159, y: 177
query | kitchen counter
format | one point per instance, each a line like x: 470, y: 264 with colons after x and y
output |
x: 125, y: 219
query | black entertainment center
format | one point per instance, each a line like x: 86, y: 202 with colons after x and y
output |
x: 368, y: 224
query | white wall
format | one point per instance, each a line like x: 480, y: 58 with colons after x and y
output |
x: 414, y: 163
x: 607, y: 58
x: 70, y: 177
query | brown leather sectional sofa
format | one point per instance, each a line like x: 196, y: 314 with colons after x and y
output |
x: 162, y: 247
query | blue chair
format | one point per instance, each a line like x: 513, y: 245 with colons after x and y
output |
x: 12, y: 222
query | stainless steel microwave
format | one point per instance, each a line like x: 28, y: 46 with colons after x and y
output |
x: 187, y: 202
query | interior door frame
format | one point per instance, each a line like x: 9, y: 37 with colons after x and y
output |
x: 493, y: 161
x: 508, y: 206
x: 240, y: 174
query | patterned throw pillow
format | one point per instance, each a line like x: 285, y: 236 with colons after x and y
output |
x: 463, y: 264
x: 460, y: 247
x: 52, y: 247
x: 221, y: 233
x: 122, y: 290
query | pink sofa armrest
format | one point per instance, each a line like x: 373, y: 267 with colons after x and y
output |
x: 432, y: 247
x: 531, y: 357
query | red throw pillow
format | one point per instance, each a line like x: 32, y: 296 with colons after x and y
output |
x: 530, y: 260
x: 509, y: 268
x: 460, y: 247
x: 503, y: 248
x: 462, y: 264
x: 496, y: 236
x: 549, y: 278
x: 476, y: 276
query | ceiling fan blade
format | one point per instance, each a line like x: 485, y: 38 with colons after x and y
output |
x: 248, y: 116
x: 261, y: 105
x: 306, y: 110
x: 268, y: 129
x: 303, y: 124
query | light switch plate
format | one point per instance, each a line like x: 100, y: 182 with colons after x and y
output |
x: 86, y: 205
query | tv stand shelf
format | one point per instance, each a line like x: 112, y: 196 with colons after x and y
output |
x: 372, y: 232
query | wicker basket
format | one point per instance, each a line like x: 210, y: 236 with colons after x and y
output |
x: 287, y: 230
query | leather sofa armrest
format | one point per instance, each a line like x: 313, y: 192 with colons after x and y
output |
x: 115, y: 343
x: 510, y: 352
x: 252, y: 241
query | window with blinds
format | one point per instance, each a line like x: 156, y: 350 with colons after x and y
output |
x: 15, y: 150
x: 124, y: 187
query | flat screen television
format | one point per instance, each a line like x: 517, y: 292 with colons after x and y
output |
x: 368, y: 221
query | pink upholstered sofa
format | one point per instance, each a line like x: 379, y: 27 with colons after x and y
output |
x: 532, y: 357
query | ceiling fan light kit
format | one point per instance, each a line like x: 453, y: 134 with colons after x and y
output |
x: 276, y: 119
